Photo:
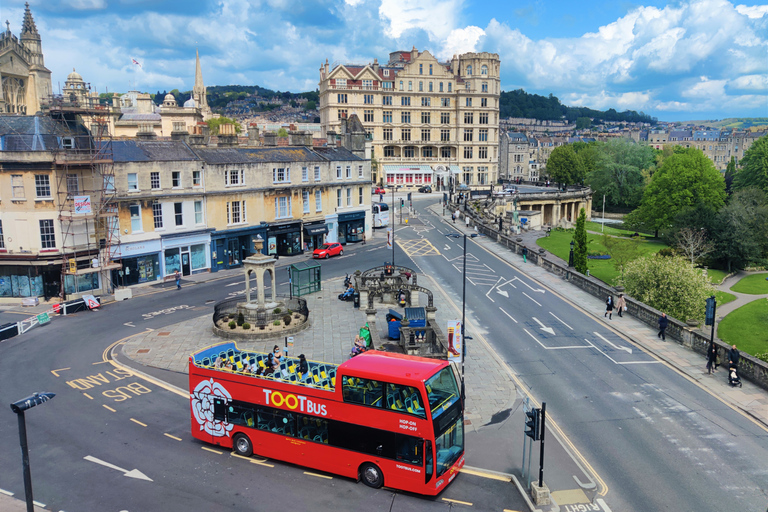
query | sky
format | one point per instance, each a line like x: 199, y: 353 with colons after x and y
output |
x: 698, y: 59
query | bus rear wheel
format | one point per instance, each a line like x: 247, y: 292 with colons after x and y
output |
x: 371, y: 475
x: 242, y: 445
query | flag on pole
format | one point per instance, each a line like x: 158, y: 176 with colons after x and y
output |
x: 136, y: 62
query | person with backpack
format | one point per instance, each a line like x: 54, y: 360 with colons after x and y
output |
x: 609, y: 307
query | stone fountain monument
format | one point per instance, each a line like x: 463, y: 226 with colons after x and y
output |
x: 258, y: 264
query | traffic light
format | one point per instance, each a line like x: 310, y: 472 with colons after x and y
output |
x: 710, y: 311
x: 532, y: 424
x: 402, y: 202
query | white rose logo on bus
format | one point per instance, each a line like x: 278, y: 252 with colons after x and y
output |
x: 202, y: 407
x: 304, y: 404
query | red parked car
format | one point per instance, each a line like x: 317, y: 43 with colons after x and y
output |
x: 328, y: 250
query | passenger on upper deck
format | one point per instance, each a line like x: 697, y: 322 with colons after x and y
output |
x: 303, y: 365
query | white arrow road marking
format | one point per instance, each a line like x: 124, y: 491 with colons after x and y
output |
x: 447, y: 248
x: 565, y: 324
x: 503, y: 293
x: 510, y: 316
x: 534, y: 300
x: 626, y: 349
x: 543, y: 328
x: 129, y: 324
x: 135, y: 473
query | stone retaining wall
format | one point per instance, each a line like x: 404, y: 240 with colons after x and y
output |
x: 750, y: 368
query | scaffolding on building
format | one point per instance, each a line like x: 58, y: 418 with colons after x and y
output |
x: 83, y: 167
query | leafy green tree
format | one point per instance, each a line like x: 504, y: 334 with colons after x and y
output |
x: 685, y: 178
x: 580, y: 243
x: 671, y: 285
x: 214, y: 124
x: 282, y: 132
x: 310, y: 106
x: 730, y: 173
x: 741, y: 229
x: 622, y: 250
x: 754, y: 166
x: 619, y: 173
x: 582, y: 123
x: 564, y: 166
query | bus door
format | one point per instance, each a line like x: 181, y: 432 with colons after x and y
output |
x: 429, y: 463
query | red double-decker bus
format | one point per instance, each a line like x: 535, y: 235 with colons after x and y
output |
x: 383, y: 418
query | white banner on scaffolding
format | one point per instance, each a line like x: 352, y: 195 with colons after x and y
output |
x: 83, y: 204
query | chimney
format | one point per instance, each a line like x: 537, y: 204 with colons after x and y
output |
x: 300, y: 138
x: 227, y: 135
x: 200, y: 135
x: 180, y: 131
x: 146, y: 132
x: 376, y: 66
x: 270, y: 138
x: 253, y: 135
x: 414, y: 54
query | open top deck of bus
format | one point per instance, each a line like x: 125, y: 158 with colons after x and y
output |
x: 320, y: 376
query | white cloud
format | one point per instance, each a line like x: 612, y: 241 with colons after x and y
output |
x: 705, y: 89
x: 86, y: 5
x: 435, y: 17
x: 636, y: 100
x: 752, y: 11
x: 461, y: 40
x: 750, y: 83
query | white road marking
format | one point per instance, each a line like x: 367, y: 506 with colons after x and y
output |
x: 235, y: 284
x: 603, y: 505
x: 627, y: 349
x: 7, y: 493
x: 510, y: 316
x: 565, y: 324
x: 129, y: 324
x: 38, y: 504
x: 503, y: 293
x: 534, y: 300
x: 529, y: 286
x: 554, y: 348
x: 135, y: 473
x: 543, y: 327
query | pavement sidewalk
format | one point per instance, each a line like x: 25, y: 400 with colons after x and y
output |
x: 741, y: 298
x: 750, y: 399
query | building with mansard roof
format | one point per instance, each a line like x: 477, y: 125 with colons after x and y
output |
x: 25, y: 79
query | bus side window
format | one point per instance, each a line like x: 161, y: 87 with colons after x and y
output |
x: 219, y: 409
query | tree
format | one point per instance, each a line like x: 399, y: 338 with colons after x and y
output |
x: 693, y: 243
x: 583, y: 123
x: 671, y: 285
x: 214, y: 124
x: 622, y: 250
x: 310, y: 106
x: 730, y: 173
x: 741, y: 229
x: 754, y: 166
x: 282, y: 132
x: 684, y: 179
x: 580, y: 243
x: 619, y: 172
x: 564, y: 166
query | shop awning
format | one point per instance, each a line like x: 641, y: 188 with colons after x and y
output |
x: 315, y: 229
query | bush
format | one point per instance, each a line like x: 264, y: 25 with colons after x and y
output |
x: 232, y: 324
x: 277, y: 311
x: 289, y: 311
x: 287, y: 319
x: 762, y: 357
x: 231, y: 316
x: 671, y: 285
x: 240, y: 319
x: 246, y: 326
x: 276, y: 323
x: 667, y: 252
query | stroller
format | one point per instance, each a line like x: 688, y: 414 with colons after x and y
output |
x: 348, y: 295
x: 733, y: 377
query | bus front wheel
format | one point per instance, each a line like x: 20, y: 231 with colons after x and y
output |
x: 371, y: 475
x: 242, y: 445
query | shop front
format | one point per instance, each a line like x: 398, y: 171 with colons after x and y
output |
x: 30, y: 279
x: 141, y: 263
x: 284, y: 239
x: 186, y: 252
x: 314, y: 234
x: 229, y: 248
x: 351, y: 227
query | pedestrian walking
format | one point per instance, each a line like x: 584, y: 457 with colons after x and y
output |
x: 609, y: 307
x: 621, y: 304
x: 363, y: 238
x: 381, y: 198
x: 733, y: 357
x: 711, y: 358
x: 663, y: 322
x: 177, y: 275
x: 466, y: 220
x: 456, y: 215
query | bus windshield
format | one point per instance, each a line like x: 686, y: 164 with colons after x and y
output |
x: 442, y: 391
x: 383, y: 207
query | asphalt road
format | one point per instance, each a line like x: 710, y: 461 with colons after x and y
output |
x: 112, y: 441
x: 656, y: 440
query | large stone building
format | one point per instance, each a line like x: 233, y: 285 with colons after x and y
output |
x: 429, y: 121
x: 25, y: 79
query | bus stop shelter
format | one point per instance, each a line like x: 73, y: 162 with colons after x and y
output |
x: 304, y: 279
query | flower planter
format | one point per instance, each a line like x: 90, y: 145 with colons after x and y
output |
x: 692, y: 323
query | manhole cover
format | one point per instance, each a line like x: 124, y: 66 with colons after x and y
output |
x: 142, y: 351
x: 164, y: 333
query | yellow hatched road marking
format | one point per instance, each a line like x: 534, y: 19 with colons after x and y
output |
x: 138, y: 422
x: 217, y: 452
x: 108, y: 407
x: 420, y: 247
x: 318, y: 475
x: 458, y: 502
x: 172, y: 437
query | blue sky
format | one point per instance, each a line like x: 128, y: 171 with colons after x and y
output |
x: 698, y: 59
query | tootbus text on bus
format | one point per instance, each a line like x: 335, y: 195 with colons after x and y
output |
x: 380, y: 417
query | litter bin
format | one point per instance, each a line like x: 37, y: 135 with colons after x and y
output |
x: 356, y: 299
x: 393, y: 324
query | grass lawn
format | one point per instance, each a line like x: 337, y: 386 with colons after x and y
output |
x: 716, y: 276
x: 558, y: 243
x: 754, y: 284
x: 610, y: 230
x: 724, y: 297
x: 747, y: 327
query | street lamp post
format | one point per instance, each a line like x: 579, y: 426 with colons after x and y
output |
x: 570, y: 256
x: 392, y: 221
x: 463, y: 318
x: 19, y: 408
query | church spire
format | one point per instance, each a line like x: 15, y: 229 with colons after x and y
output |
x: 28, y: 26
x: 198, y: 91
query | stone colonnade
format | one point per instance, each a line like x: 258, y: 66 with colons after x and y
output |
x: 557, y: 208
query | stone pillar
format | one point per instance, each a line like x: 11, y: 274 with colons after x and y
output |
x: 260, y: 290
x: 247, y: 286
x: 431, y: 310
x: 274, y: 284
